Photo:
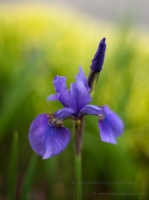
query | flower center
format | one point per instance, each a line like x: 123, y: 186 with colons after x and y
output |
x: 101, y: 117
x: 55, y: 121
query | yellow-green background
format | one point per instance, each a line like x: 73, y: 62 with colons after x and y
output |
x: 39, y: 42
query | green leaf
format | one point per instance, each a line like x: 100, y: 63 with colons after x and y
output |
x: 29, y: 177
x: 12, y: 174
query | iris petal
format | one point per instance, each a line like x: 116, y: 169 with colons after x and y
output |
x: 45, y: 139
x: 111, y: 126
x: 78, y: 96
x: 64, y: 113
x: 61, y: 89
x: 106, y: 133
x: 91, y: 110
x: 81, y: 77
x: 53, y: 97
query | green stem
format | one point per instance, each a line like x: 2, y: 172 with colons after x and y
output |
x: 78, y: 133
x: 13, y: 168
x: 92, y: 80
x: 78, y: 174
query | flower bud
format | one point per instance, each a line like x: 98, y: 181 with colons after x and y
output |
x: 96, y: 66
x: 98, y: 59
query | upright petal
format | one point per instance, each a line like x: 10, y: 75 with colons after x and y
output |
x: 111, y: 126
x: 45, y: 139
x: 78, y: 96
x: 61, y: 89
x: 81, y: 77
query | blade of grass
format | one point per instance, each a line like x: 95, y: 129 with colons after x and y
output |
x: 15, y: 98
x: 28, y: 181
x: 13, y: 168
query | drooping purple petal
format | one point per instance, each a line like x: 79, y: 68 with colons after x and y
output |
x: 98, y: 59
x: 91, y: 110
x: 64, y: 113
x: 61, y: 89
x: 45, y: 139
x: 81, y: 77
x: 106, y: 133
x: 78, y: 96
x: 111, y: 126
x: 57, y: 141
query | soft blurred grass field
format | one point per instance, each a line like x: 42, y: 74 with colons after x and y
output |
x: 37, y: 43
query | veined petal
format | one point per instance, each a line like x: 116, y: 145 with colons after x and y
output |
x: 63, y: 113
x: 111, y: 126
x: 91, y: 110
x: 78, y: 96
x: 61, y: 89
x: 81, y: 77
x: 56, y: 141
x: 45, y: 139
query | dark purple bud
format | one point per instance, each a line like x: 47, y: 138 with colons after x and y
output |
x: 98, y: 59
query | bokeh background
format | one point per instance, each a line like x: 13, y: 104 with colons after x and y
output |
x: 39, y: 40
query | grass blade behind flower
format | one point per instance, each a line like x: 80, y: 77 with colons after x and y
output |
x: 29, y: 177
x: 13, y: 168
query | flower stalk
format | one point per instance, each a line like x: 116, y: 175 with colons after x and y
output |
x: 96, y: 67
x: 78, y: 129
x: 78, y: 132
x: 92, y: 80
x: 78, y: 174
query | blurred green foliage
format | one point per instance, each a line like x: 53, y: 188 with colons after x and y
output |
x: 37, y: 43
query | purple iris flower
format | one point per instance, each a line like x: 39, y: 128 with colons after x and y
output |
x: 47, y: 134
